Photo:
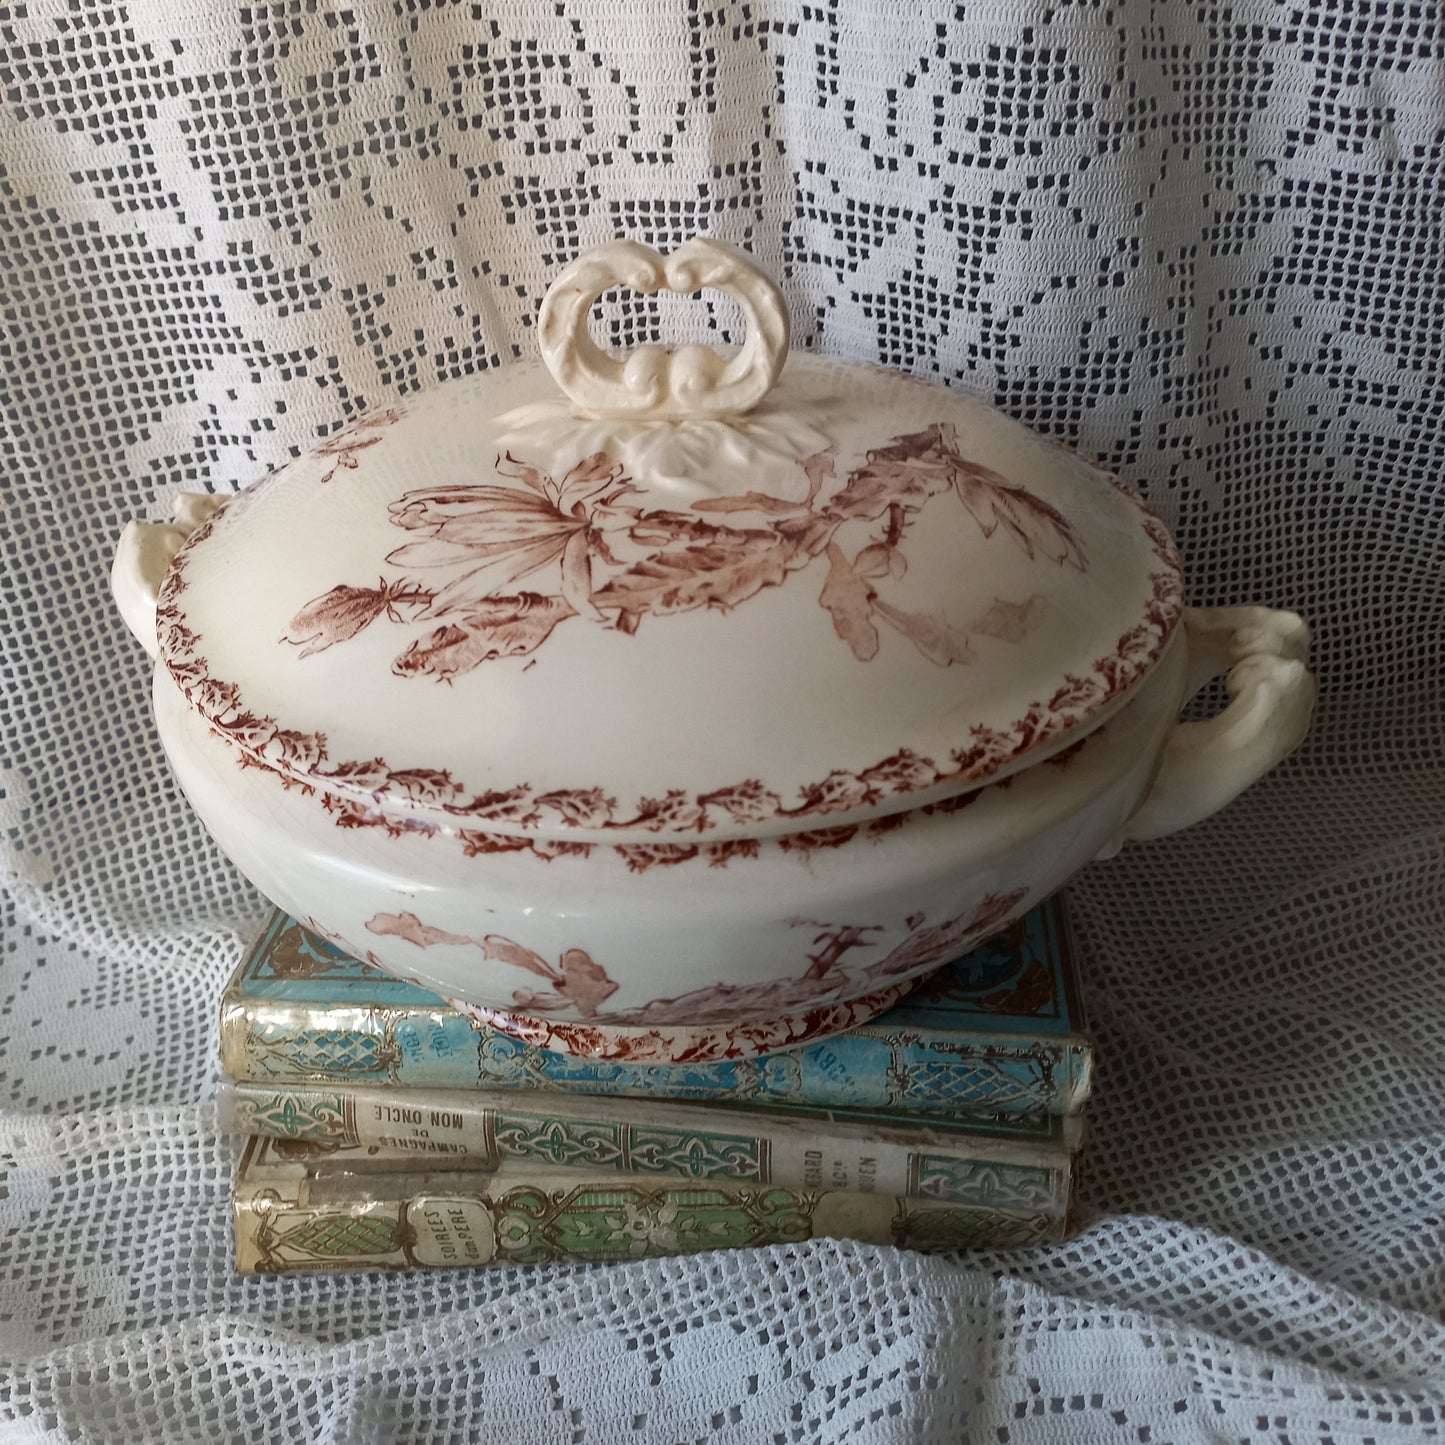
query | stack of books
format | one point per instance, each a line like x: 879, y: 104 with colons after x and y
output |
x: 386, y: 1130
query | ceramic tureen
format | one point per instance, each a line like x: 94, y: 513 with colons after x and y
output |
x: 681, y: 705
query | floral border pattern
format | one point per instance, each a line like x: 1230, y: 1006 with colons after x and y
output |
x: 373, y: 793
x: 678, y: 1044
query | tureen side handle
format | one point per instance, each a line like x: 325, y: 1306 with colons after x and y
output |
x: 1263, y: 655
x: 144, y: 555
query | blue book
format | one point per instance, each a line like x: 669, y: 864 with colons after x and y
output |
x: 997, y: 1033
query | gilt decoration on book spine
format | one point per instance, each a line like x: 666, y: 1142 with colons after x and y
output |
x: 293, y: 1218
x: 1019, y: 1165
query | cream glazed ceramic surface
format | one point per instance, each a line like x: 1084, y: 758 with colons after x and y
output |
x: 694, y: 710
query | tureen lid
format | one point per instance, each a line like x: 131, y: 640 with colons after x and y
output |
x: 680, y: 594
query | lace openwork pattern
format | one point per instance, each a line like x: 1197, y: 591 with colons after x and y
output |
x: 1200, y: 242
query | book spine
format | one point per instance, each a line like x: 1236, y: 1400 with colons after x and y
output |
x: 436, y: 1048
x: 466, y: 1220
x: 950, y: 1164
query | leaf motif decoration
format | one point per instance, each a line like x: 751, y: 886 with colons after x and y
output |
x: 475, y: 516
x: 747, y: 802
x: 839, y: 792
x: 1077, y: 692
x: 589, y: 479
x: 721, y: 572
x: 476, y: 843
x: 412, y: 929
x: 369, y: 774
x: 297, y: 750
x: 1038, y: 528
x: 1010, y: 621
x: 879, y: 559
x: 639, y: 857
x: 549, y: 848
x: 932, y: 635
x: 490, y: 537
x: 815, y: 840
x: 507, y: 805
x: 752, y: 502
x: 905, y: 474
x: 577, y: 978
x: 719, y: 855
x: 430, y: 785
x: 217, y: 698
x: 494, y: 627
x: 946, y: 939
x: 581, y: 807
x: 819, y: 468
x: 577, y: 575
x: 249, y: 731
x: 849, y: 599
x: 904, y: 772
x: 503, y: 950
x: 334, y: 617
x: 675, y: 811
x: 584, y: 982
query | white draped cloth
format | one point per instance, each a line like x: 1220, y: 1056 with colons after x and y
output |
x: 1201, y: 242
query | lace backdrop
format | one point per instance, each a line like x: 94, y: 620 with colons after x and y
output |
x: 1200, y: 242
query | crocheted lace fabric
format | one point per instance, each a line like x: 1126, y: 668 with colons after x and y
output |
x: 1201, y: 242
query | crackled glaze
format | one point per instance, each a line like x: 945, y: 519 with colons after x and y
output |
x: 775, y: 944
x: 491, y: 587
x: 698, y: 712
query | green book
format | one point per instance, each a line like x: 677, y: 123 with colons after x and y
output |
x: 997, y: 1032
x: 302, y: 1207
x: 1020, y: 1163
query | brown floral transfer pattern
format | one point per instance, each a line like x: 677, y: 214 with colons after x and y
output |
x: 693, y: 1043
x: 364, y: 432
x: 373, y: 793
x: 576, y: 982
x: 639, y: 857
x: 591, y: 549
x: 578, y: 985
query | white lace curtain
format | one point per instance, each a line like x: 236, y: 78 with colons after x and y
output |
x: 1200, y: 242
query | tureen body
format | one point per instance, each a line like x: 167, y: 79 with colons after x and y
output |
x: 695, y: 711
